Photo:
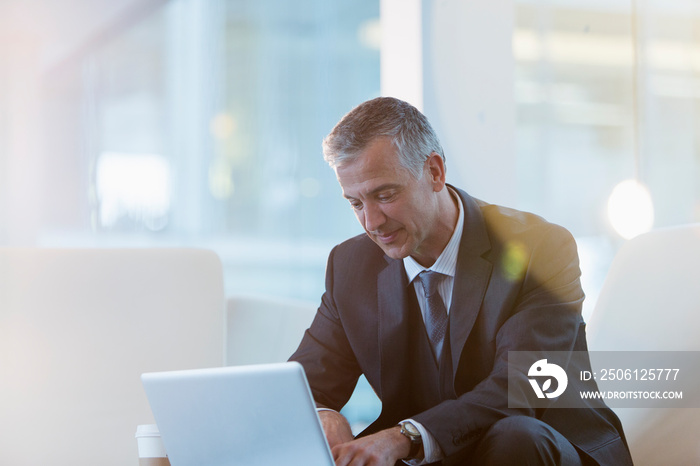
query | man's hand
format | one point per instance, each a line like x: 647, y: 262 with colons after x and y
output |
x: 381, y: 449
x: 336, y: 427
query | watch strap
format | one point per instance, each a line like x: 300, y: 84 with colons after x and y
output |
x: 411, y: 432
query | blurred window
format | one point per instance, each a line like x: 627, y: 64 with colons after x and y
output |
x: 574, y: 91
x: 201, y: 125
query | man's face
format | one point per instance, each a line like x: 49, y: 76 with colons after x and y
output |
x: 396, y: 210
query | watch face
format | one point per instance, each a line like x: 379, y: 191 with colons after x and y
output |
x: 410, y: 429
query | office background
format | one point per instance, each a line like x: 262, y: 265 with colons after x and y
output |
x: 198, y: 122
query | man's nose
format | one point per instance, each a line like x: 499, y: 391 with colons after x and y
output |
x: 374, y: 217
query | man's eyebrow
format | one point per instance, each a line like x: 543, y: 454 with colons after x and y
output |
x: 384, y: 187
x: 378, y: 189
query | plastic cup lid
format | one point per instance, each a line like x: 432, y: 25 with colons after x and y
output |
x: 147, y: 430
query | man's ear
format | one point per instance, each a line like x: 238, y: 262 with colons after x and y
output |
x: 436, y: 170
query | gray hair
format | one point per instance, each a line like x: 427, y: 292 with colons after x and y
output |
x: 408, y: 129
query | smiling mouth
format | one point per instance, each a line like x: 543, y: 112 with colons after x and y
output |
x: 387, y: 238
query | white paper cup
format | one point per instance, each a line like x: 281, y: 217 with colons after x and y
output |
x: 151, y: 449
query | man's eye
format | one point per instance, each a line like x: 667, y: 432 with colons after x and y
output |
x: 385, y: 197
x: 356, y: 205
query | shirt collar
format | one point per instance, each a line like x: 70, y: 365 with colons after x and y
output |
x: 446, y: 263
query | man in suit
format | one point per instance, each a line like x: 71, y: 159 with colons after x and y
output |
x: 428, y: 304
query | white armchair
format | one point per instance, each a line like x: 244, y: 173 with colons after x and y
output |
x: 265, y: 329
x: 650, y: 301
x: 78, y: 327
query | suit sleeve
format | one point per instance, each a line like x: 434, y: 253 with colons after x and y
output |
x: 544, y: 316
x: 326, y: 354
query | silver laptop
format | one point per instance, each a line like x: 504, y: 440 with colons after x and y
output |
x: 258, y: 415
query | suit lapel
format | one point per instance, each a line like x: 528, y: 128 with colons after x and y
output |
x: 471, y: 277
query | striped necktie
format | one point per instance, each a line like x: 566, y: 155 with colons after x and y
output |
x: 436, y: 320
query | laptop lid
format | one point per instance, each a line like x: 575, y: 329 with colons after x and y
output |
x: 245, y: 415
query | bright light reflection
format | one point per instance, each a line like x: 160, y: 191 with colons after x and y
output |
x: 630, y: 209
x: 222, y: 126
x: 220, y: 182
x: 134, y: 187
x: 369, y: 34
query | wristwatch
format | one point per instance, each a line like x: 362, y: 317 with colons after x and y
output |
x: 412, y: 433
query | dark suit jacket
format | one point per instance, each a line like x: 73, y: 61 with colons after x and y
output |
x: 516, y: 288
